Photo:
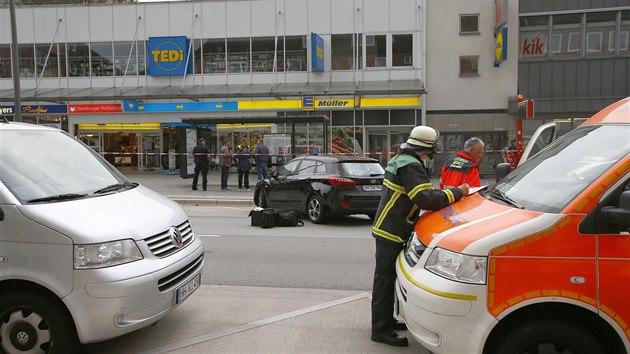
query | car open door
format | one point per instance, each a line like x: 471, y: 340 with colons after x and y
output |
x: 543, y: 136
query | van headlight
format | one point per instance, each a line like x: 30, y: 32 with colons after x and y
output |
x: 414, y: 250
x: 101, y: 255
x: 457, y: 266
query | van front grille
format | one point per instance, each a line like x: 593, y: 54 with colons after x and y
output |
x: 161, y: 245
x: 174, y: 279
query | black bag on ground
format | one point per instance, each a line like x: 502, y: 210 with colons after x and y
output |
x: 268, y: 218
x: 289, y: 217
x: 256, y: 216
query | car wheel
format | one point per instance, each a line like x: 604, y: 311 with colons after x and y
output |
x: 261, y: 199
x: 315, y: 210
x: 549, y: 336
x: 32, y: 323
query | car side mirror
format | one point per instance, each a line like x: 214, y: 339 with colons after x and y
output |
x: 503, y: 169
x: 619, y: 215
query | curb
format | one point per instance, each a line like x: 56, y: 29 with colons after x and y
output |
x: 213, y: 202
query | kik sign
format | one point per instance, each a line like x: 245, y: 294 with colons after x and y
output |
x: 533, y: 45
x: 167, y: 56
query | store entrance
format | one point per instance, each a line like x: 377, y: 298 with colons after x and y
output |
x: 386, y: 141
x: 121, y: 150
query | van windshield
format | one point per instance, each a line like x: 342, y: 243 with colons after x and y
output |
x: 50, y: 165
x: 551, y: 179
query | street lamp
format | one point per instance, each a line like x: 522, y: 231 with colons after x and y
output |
x: 16, y: 65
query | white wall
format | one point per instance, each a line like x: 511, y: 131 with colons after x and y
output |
x: 448, y: 91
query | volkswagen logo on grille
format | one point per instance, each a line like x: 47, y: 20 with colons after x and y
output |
x: 176, y: 237
x: 373, y: 181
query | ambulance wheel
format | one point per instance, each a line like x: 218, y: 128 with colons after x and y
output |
x: 549, y: 336
x: 33, y: 324
x: 315, y: 210
x: 261, y: 199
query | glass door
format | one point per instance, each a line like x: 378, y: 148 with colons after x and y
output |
x: 378, y: 145
x: 149, y: 151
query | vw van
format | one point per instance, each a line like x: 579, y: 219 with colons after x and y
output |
x: 538, y: 263
x: 85, y: 254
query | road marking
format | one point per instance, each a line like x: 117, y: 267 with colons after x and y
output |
x: 209, y: 235
x: 255, y: 324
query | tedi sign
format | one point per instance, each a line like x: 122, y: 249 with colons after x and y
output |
x: 168, y: 56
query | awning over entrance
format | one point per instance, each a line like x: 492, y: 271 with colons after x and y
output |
x: 197, y: 92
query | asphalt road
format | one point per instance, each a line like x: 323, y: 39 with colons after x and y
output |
x: 337, y: 255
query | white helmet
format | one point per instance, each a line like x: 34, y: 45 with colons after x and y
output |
x: 423, y: 136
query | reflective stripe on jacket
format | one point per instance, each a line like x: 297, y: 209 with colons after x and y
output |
x: 407, y: 190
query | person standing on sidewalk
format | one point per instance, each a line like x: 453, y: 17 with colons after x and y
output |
x: 406, y: 189
x: 243, y: 165
x: 463, y: 167
x: 225, y: 161
x: 200, y: 154
x: 261, y: 156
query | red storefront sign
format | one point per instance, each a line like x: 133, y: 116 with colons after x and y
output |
x: 95, y: 108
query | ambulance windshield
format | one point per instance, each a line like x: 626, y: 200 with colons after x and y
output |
x: 551, y: 179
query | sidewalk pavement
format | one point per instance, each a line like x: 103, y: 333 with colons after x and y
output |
x: 180, y: 189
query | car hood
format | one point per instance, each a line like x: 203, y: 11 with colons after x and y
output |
x: 475, y: 225
x: 136, y: 214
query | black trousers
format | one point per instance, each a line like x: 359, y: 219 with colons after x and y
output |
x: 384, y: 283
x: 203, y: 169
x: 243, y: 175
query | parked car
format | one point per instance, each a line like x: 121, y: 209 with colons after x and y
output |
x: 533, y: 264
x: 85, y: 254
x: 322, y: 186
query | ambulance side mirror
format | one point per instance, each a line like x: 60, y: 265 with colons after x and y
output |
x: 619, y: 215
x: 502, y: 170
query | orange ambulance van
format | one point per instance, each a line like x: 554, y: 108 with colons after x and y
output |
x: 538, y: 263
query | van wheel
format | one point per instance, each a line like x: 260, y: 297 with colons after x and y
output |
x: 31, y: 323
x: 549, y: 336
x: 261, y: 199
x: 315, y: 210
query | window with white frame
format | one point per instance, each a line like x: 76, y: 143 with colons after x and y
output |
x: 600, y: 33
x: 469, y: 24
x: 345, y: 51
x: 624, y: 31
x: 468, y: 65
x: 570, y: 27
x: 375, y: 51
x: 402, y: 50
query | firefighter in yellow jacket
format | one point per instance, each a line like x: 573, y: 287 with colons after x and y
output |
x: 407, y: 189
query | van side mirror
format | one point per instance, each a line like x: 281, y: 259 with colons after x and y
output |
x: 502, y: 170
x: 619, y: 215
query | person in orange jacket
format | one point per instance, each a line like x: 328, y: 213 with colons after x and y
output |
x: 463, y: 167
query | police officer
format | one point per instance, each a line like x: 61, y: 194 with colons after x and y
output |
x: 407, y: 190
x: 200, y: 153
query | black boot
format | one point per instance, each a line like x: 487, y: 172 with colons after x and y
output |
x: 389, y: 337
x: 399, y: 326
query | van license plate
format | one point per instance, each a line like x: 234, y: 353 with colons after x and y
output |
x: 372, y: 187
x: 185, y: 290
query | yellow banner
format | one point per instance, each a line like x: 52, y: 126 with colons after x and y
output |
x: 119, y: 126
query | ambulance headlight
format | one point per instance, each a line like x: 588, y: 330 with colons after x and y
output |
x: 456, y: 266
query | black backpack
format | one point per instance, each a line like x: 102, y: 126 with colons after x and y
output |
x: 280, y: 217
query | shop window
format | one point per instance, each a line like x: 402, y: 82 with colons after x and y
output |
x: 402, y: 50
x: 238, y: 55
x: 102, y: 59
x: 295, y: 52
x: 468, y: 65
x: 469, y: 24
x: 5, y: 61
x: 376, y: 117
x: 26, y: 53
x: 263, y: 49
x: 600, y: 33
x: 214, y: 56
x: 402, y: 117
x: 125, y: 58
x: 569, y: 26
x: 50, y: 67
x: 341, y: 118
x: 533, y: 38
x: 375, y: 51
x: 345, y: 51
x: 78, y: 59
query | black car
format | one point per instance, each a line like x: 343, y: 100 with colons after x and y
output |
x: 322, y: 186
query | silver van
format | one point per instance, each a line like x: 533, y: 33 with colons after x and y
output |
x: 85, y: 254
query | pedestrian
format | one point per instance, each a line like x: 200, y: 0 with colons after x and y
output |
x: 407, y: 189
x: 225, y: 161
x: 463, y: 167
x: 243, y: 165
x: 200, y: 154
x: 261, y: 156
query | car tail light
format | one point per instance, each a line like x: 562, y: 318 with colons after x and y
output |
x: 340, y: 181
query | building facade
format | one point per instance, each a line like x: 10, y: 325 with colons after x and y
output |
x: 574, y: 57
x: 136, y: 81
